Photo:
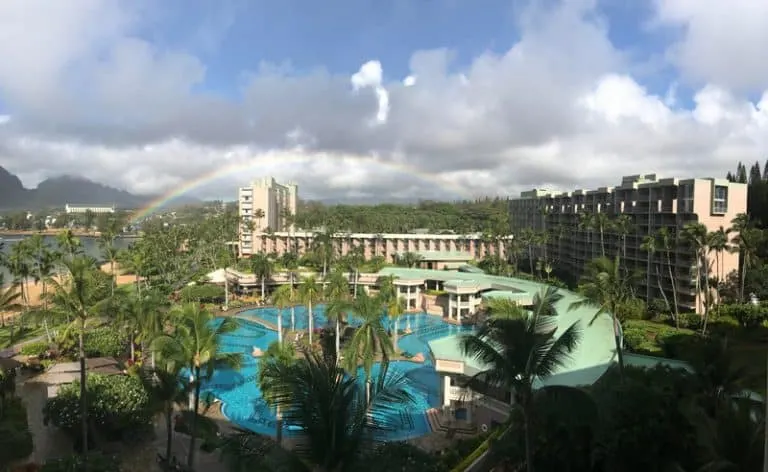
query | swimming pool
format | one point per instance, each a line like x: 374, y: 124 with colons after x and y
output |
x: 244, y: 405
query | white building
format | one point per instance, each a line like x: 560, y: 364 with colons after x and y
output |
x: 265, y: 203
x: 70, y: 208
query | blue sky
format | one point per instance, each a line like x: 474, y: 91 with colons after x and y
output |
x: 146, y: 95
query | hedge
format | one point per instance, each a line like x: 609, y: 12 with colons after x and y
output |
x: 202, y: 293
x: 96, y: 463
x: 15, y: 437
x: 118, y: 407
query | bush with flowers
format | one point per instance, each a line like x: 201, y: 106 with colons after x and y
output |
x: 118, y: 407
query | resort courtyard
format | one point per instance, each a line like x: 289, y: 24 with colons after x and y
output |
x: 428, y: 351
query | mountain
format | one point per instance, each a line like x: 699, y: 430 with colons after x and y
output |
x: 57, y: 191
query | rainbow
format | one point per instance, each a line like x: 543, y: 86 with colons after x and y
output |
x: 224, y: 171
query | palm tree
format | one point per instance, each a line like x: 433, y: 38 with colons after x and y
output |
x: 370, y: 338
x: 68, y: 244
x: 166, y: 388
x: 395, y: 308
x: 9, y: 299
x: 262, y: 268
x: 141, y: 317
x: 329, y: 407
x: 20, y: 266
x: 519, y: 351
x: 695, y: 234
x: 622, y: 224
x: 290, y: 260
x: 355, y: 258
x: 717, y: 242
x: 650, y: 245
x: 110, y: 253
x: 601, y: 223
x: 196, y: 345
x: 309, y: 292
x: 259, y: 214
x: 283, y: 298
x: 746, y: 240
x: 339, y: 303
x: 664, y: 241
x: 606, y: 287
x: 80, y: 296
x: 276, y: 353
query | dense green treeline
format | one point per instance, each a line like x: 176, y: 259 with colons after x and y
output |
x: 458, y: 217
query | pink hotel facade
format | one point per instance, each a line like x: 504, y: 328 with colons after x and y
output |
x: 649, y: 203
x: 445, y: 249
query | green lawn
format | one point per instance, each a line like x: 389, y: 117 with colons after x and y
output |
x: 29, y: 333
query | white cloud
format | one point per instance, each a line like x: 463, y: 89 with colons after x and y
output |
x: 558, y: 108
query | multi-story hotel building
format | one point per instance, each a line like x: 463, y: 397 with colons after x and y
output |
x: 648, y: 204
x: 265, y: 204
x: 438, y: 251
x: 70, y: 208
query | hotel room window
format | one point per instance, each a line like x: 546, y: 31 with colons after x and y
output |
x: 720, y: 200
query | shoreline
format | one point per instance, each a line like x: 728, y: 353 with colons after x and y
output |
x: 54, y: 232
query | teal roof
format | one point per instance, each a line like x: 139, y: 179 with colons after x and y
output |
x: 444, y: 255
x: 514, y: 295
x: 470, y: 269
x: 590, y: 359
x: 462, y: 283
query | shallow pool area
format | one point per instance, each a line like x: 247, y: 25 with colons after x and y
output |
x: 243, y: 404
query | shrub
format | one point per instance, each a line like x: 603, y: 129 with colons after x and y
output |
x: 634, y: 338
x: 118, y: 406
x: 15, y: 437
x: 37, y: 348
x: 203, y: 293
x: 632, y: 309
x: 96, y: 463
x: 748, y: 315
x: 398, y: 456
x: 690, y: 320
x: 104, y: 342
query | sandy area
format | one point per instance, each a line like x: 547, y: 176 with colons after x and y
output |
x: 34, y: 291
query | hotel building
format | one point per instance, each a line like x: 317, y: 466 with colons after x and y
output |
x: 70, y: 209
x: 437, y: 251
x: 648, y: 204
x: 262, y: 205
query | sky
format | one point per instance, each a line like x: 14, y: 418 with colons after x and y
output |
x: 381, y: 100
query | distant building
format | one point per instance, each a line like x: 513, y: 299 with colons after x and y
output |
x: 70, y: 208
x: 647, y: 204
x: 265, y: 204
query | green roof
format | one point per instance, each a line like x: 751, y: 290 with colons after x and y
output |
x: 462, y: 283
x: 470, y: 269
x: 444, y: 255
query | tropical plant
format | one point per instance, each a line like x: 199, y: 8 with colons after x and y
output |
x: 166, y: 388
x: 518, y: 352
x: 283, y: 298
x: 605, y: 287
x: 262, y: 267
x: 338, y: 304
x: 370, y: 338
x: 329, y: 406
x: 196, y: 345
x: 276, y: 353
x: 309, y: 292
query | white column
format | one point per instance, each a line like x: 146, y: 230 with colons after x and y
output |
x: 458, y: 310
x: 446, y: 390
x: 450, y: 306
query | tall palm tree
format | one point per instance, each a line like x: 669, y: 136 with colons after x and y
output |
x: 395, y: 308
x: 695, y: 234
x: 80, y: 297
x: 196, y: 345
x: 19, y: 264
x: 166, y: 387
x: 262, y: 268
x: 140, y: 316
x: 667, y: 242
x: 309, y: 292
x: 717, y: 242
x: 283, y: 298
x: 290, y: 260
x: 337, y: 424
x: 516, y: 352
x: 259, y: 214
x: 110, y: 253
x: 601, y: 223
x: 276, y: 353
x: 650, y: 245
x: 9, y: 298
x: 68, y: 244
x: 622, y: 224
x: 746, y: 241
x: 354, y: 259
x: 370, y: 338
x: 606, y: 287
x: 338, y: 303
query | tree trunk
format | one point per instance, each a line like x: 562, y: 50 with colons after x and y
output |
x: 395, y: 336
x: 338, y: 339
x: 357, y: 276
x: 279, y: 425
x: 169, y: 433
x: 309, y: 321
x: 617, y: 340
x: 661, y: 287
x: 743, y: 277
x: 193, y: 428
x: 263, y: 288
x: 674, y: 290
x: 280, y: 326
x: 602, y: 241
x: 112, y: 273
x: 83, y: 395
x: 528, y: 439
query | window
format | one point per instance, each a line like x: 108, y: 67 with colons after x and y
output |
x: 720, y: 200
x: 685, y: 198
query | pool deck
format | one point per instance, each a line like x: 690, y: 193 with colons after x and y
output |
x: 595, y: 353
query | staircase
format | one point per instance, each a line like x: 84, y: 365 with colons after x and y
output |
x: 437, y: 423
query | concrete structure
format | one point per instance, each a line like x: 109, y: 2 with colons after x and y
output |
x: 70, y: 208
x: 267, y: 205
x: 642, y: 204
x: 437, y: 251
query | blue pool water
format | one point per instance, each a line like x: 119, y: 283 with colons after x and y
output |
x: 244, y: 405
